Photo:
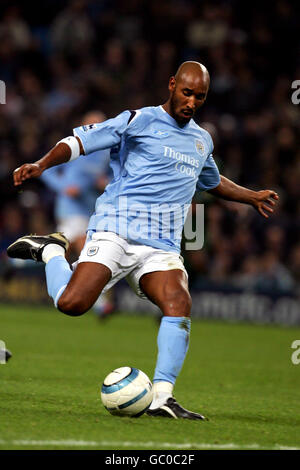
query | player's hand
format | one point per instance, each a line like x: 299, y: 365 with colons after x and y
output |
x: 26, y: 171
x: 102, y: 182
x: 72, y: 191
x: 264, y: 202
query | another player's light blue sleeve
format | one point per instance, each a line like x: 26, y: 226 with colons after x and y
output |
x: 53, y: 179
x: 103, y: 135
x: 83, y: 172
x: 209, y: 177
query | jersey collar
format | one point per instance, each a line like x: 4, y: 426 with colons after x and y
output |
x: 172, y: 120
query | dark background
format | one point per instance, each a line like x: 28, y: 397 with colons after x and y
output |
x: 60, y: 59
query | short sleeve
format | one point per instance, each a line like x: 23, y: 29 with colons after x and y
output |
x: 209, y: 177
x: 104, y: 135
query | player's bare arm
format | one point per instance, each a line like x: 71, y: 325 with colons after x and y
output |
x: 61, y: 153
x: 263, y: 201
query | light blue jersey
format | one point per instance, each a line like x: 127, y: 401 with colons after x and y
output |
x: 82, y: 173
x: 157, y: 168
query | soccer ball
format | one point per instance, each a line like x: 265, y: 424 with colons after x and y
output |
x: 127, y: 391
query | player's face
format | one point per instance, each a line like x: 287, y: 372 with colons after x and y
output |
x: 186, y: 96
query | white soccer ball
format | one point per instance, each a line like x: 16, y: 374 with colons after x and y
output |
x: 127, y: 391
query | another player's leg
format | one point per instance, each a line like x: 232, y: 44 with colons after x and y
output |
x: 5, y: 355
x: 104, y: 306
x: 73, y: 293
x: 169, y: 291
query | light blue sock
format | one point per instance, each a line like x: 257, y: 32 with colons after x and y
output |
x: 173, y: 342
x: 58, y: 274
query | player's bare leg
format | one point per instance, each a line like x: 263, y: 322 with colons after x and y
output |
x: 76, y: 246
x: 169, y: 291
x: 84, y: 288
x: 103, y: 305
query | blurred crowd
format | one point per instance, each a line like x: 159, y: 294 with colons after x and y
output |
x: 65, y: 58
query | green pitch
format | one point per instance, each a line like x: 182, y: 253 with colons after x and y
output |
x: 240, y: 376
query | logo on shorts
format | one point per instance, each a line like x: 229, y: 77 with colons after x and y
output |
x: 93, y: 250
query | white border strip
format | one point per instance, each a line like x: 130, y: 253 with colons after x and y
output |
x: 147, y: 445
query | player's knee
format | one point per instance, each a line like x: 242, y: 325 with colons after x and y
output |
x: 177, y: 303
x: 72, y: 305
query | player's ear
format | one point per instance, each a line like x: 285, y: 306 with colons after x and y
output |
x: 172, y: 84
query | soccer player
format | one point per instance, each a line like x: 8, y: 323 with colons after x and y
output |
x: 163, y: 158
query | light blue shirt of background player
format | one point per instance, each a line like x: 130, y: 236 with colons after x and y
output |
x: 82, y: 173
x: 157, y: 170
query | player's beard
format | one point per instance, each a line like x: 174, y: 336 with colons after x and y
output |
x: 175, y: 108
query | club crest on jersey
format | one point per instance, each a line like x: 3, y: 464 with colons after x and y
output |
x: 93, y: 250
x: 199, y: 146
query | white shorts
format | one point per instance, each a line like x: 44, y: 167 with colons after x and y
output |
x: 73, y: 227
x: 127, y: 260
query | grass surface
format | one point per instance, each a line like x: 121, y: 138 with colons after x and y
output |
x: 240, y: 376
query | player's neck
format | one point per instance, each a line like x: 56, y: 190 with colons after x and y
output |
x: 166, y: 107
